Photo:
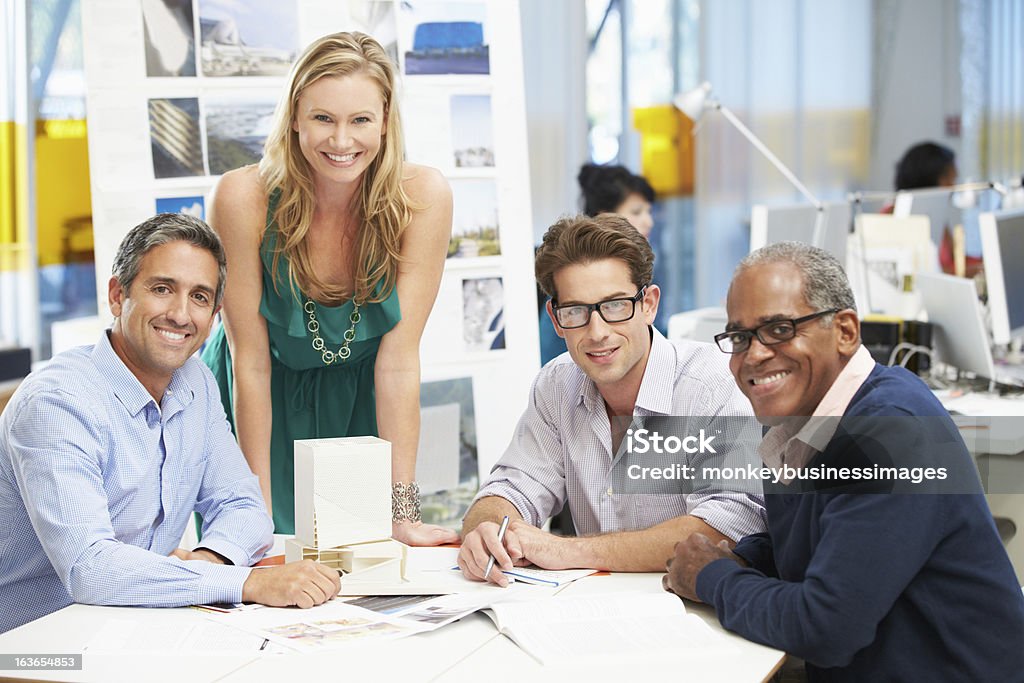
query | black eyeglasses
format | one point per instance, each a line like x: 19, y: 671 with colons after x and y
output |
x: 774, y: 332
x: 572, y: 316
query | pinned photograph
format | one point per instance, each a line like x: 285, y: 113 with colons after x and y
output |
x: 446, y: 466
x: 236, y: 129
x: 446, y: 38
x: 475, y: 227
x: 170, y: 39
x: 174, y: 137
x: 483, y: 314
x: 472, y: 131
x: 252, y: 38
x: 192, y: 206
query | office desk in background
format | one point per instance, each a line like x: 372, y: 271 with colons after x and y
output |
x: 468, y: 650
x: 993, y: 429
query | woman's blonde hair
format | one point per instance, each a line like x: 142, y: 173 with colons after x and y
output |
x: 384, y: 206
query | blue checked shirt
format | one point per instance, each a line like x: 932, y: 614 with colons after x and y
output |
x: 97, y: 484
x: 562, y: 447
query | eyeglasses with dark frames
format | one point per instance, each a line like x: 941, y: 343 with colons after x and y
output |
x: 571, y: 316
x: 774, y: 332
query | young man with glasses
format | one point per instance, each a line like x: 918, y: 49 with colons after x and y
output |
x: 568, y: 446
x: 862, y: 585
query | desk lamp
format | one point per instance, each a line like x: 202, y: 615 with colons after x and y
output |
x: 695, y: 102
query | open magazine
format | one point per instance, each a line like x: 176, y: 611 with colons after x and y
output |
x: 599, y: 626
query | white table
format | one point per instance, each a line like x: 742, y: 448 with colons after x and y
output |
x: 469, y: 650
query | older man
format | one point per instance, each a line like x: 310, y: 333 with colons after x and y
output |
x: 107, y: 451
x: 862, y: 585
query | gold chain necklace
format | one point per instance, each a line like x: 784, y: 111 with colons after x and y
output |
x: 330, y: 357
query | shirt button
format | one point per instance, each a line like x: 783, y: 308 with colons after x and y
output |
x: 610, y: 491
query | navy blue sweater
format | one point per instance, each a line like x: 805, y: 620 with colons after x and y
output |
x: 880, y: 586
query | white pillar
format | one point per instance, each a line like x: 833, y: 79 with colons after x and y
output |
x: 19, y: 298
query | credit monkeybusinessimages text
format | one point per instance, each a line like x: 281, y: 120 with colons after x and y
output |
x: 786, y: 473
x: 644, y: 441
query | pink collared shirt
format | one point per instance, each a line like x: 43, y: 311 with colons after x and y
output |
x: 797, y: 440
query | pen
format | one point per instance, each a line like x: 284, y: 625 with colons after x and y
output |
x: 501, y: 535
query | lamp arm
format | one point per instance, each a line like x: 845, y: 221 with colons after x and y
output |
x: 863, y: 195
x: 776, y: 162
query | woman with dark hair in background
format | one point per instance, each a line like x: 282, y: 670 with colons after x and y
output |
x: 926, y: 165
x: 614, y: 189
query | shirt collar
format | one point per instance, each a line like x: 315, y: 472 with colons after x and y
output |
x: 818, y: 429
x: 659, y: 376
x: 849, y: 381
x: 127, y: 387
x: 655, y: 393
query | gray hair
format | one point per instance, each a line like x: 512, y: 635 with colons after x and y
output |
x: 825, y: 284
x: 162, y: 229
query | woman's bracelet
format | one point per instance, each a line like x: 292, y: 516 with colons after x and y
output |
x: 405, y: 502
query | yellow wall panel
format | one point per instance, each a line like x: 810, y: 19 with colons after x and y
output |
x: 63, y: 204
x: 13, y: 195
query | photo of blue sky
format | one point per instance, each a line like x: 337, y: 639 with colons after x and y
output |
x: 193, y: 206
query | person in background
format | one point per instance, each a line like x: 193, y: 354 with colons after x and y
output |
x: 864, y: 585
x: 615, y: 189
x: 928, y: 165
x: 604, y: 189
x: 107, y: 451
x: 337, y: 247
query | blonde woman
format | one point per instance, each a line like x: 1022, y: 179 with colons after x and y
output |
x: 336, y: 248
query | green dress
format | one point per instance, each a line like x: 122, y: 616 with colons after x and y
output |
x: 309, y: 399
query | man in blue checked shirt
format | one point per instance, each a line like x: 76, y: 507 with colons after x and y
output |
x: 571, y: 446
x: 106, y: 452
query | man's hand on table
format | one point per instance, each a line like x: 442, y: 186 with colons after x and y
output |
x: 691, y: 556
x: 302, y: 584
x: 478, y: 546
x: 523, y: 544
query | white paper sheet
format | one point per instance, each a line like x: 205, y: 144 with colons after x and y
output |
x: 125, y: 635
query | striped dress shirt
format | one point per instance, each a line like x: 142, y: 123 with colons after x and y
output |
x: 97, y: 484
x: 562, y: 447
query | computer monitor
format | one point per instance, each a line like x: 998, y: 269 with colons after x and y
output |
x: 884, y: 251
x: 936, y: 204
x: 875, y: 203
x: 795, y: 223
x: 1002, y: 247
x: 959, y: 337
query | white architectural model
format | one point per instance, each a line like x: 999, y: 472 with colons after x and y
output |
x: 343, y: 512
